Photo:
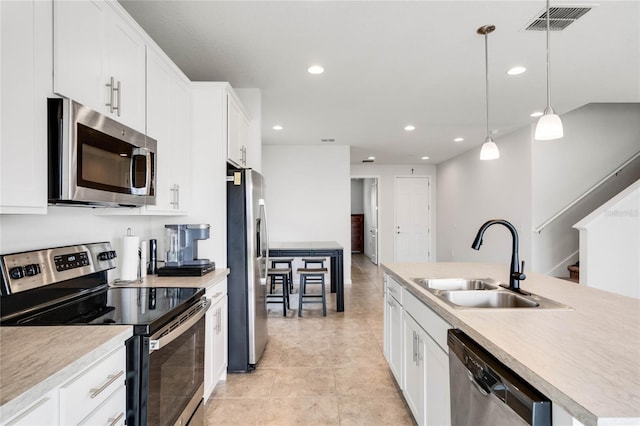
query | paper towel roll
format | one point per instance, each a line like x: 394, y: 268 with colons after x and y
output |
x: 130, y: 258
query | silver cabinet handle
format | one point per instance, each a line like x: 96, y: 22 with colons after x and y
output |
x: 110, y: 85
x: 175, y: 189
x: 177, y: 196
x: 216, y: 295
x: 118, y: 89
x: 111, y: 378
x: 113, y: 421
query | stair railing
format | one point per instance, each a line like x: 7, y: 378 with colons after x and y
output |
x: 587, y: 192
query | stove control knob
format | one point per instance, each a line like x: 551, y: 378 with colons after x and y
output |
x: 31, y: 270
x: 106, y: 255
x: 16, y: 273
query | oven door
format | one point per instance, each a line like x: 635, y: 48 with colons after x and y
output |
x: 176, y: 368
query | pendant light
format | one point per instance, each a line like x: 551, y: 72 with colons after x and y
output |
x: 549, y: 125
x: 489, y: 149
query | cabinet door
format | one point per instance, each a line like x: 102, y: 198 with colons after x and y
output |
x: 25, y: 82
x: 78, y: 51
x: 125, y: 62
x: 44, y: 412
x: 237, y: 132
x: 220, y: 344
x: 438, y: 411
x: 415, y: 378
x: 169, y: 123
x: 92, y: 44
x: 396, y: 348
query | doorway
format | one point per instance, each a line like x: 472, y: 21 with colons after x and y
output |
x: 412, y: 219
x: 364, y: 208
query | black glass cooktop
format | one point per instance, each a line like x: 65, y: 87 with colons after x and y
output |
x: 145, y: 308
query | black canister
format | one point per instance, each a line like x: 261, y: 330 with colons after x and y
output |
x: 153, y: 256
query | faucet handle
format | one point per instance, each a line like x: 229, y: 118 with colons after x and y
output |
x: 520, y: 274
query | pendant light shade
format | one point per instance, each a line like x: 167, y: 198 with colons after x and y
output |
x: 549, y: 125
x: 489, y: 150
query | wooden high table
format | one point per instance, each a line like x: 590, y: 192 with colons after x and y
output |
x: 330, y: 249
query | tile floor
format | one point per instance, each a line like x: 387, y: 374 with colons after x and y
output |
x: 319, y: 370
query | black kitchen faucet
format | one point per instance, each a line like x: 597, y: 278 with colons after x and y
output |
x: 516, y: 273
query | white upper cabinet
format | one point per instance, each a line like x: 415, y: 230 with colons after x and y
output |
x: 25, y: 83
x: 99, y: 60
x: 169, y: 123
x: 237, y: 132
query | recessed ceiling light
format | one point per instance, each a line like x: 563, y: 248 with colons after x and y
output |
x: 536, y: 114
x: 516, y: 70
x: 425, y: 158
x: 410, y: 128
x: 371, y: 158
x: 327, y: 140
x: 315, y: 69
x: 277, y: 127
x: 458, y: 139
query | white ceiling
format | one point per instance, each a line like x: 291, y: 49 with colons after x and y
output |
x: 393, y: 63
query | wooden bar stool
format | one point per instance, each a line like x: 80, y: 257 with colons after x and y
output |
x: 287, y: 263
x: 312, y: 276
x: 279, y: 276
x: 313, y: 262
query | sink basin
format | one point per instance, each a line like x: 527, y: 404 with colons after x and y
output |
x: 456, y: 284
x: 488, y: 299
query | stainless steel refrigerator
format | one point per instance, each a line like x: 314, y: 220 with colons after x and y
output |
x: 247, y: 252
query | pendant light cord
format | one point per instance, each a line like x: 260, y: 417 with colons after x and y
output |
x: 548, y: 62
x: 486, y: 74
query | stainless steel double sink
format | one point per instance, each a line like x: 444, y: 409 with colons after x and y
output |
x: 483, y: 293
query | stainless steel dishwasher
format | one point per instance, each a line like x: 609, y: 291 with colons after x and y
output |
x: 486, y: 392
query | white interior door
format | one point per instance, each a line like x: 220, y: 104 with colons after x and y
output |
x: 372, y: 231
x: 412, y: 232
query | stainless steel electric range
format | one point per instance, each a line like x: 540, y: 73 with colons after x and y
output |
x: 165, y: 357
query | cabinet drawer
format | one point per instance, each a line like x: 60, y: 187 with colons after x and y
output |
x: 92, y: 387
x: 394, y: 289
x: 431, y: 322
x: 111, y: 412
x: 217, y: 292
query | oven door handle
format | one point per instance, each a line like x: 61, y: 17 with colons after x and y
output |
x: 178, y: 326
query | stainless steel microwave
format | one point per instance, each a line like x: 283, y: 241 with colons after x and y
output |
x: 94, y: 160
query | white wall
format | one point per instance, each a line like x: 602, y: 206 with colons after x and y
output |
x: 386, y: 179
x: 308, y: 195
x: 471, y: 191
x: 597, y: 139
x: 369, y: 191
x: 610, y: 245
x: 531, y: 182
x: 357, y: 196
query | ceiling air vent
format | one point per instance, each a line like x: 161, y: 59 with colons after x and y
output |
x: 368, y: 161
x: 560, y: 17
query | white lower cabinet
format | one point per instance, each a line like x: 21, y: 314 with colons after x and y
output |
x: 95, y: 396
x: 84, y: 394
x: 44, y: 412
x: 216, y: 340
x: 393, y: 335
x: 417, y: 352
x: 415, y: 372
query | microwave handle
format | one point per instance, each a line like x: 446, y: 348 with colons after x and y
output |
x: 147, y: 187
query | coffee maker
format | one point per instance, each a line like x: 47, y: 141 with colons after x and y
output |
x: 182, y: 251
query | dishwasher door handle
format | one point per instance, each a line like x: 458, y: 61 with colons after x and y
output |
x: 478, y: 386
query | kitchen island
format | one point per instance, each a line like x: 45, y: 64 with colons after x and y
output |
x: 585, y: 359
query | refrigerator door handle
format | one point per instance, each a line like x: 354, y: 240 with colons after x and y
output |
x: 263, y: 215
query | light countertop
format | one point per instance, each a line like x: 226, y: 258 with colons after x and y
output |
x: 586, y: 359
x: 35, y: 360
x: 205, y: 281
